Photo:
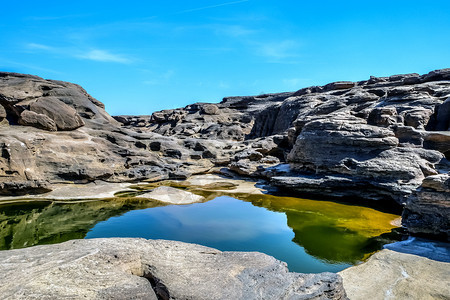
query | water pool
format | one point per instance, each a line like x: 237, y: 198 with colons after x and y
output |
x: 311, y: 236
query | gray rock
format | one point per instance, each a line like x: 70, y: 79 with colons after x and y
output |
x: 443, y: 116
x: 20, y: 188
x: 172, y: 195
x: 2, y: 112
x: 341, y: 136
x: 64, y: 116
x: 395, y: 275
x: 210, y: 109
x: 30, y: 118
x: 427, y: 210
x: 154, y: 269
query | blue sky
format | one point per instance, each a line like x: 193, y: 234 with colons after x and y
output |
x: 141, y: 56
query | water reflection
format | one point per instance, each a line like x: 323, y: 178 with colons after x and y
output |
x: 311, y: 236
x: 35, y: 223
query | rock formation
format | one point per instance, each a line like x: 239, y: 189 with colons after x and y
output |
x: 154, y: 269
x: 382, y: 138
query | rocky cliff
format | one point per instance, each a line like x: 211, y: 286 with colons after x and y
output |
x: 382, y: 138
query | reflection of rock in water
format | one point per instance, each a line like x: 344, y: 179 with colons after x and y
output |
x: 330, y: 231
x: 24, y: 225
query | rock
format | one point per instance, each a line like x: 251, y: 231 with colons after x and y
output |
x: 443, y: 116
x: 172, y: 195
x: 373, y: 139
x: 210, y: 109
x: 20, y: 188
x: 417, y: 118
x: 64, y: 116
x: 427, y: 211
x: 2, y: 112
x: 442, y: 74
x: 395, y: 275
x: 30, y: 118
x: 154, y: 269
x: 244, y: 167
x: 437, y: 140
x: 383, y: 116
x: 339, y: 85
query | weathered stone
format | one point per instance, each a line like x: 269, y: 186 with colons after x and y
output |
x: 154, y: 269
x: 30, y: 118
x: 369, y: 133
x: 2, y: 112
x: 64, y: 116
x: 427, y: 211
x: 443, y: 116
x: 395, y: 275
x: 210, y: 109
x: 383, y: 116
x: 19, y: 188
x: 172, y: 195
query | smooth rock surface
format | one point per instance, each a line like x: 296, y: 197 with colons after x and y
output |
x: 172, y: 195
x: 153, y: 269
x: 391, y: 274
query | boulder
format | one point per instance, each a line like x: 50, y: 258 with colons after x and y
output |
x: 154, y: 269
x: 30, y: 118
x: 64, y: 116
x: 210, y: 109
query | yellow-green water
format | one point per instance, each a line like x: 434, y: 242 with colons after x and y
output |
x: 310, y: 235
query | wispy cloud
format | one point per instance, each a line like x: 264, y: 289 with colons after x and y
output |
x: 280, y: 50
x: 160, y: 79
x: 210, y: 6
x: 39, y: 47
x: 93, y: 54
x: 104, y: 56
x: 52, y: 18
x: 23, y: 67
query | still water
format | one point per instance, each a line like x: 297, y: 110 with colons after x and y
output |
x: 310, y: 236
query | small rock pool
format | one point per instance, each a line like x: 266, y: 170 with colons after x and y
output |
x: 310, y: 236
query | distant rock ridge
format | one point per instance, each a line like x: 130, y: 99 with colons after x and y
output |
x: 385, y: 138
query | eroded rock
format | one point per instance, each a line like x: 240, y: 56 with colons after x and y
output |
x: 172, y: 195
x: 154, y: 269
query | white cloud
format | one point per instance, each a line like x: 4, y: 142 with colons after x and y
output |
x: 279, y: 50
x: 39, y: 46
x: 96, y: 54
x: 104, y: 56
x: 210, y: 6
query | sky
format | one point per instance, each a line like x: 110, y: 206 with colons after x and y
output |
x: 138, y: 57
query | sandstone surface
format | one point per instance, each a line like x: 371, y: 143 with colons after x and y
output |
x: 396, y: 274
x: 154, y: 269
x: 172, y: 195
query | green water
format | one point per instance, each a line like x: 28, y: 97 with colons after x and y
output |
x: 311, y: 236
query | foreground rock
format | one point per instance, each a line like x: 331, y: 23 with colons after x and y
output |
x: 172, y: 195
x: 154, y: 269
x: 394, y: 274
